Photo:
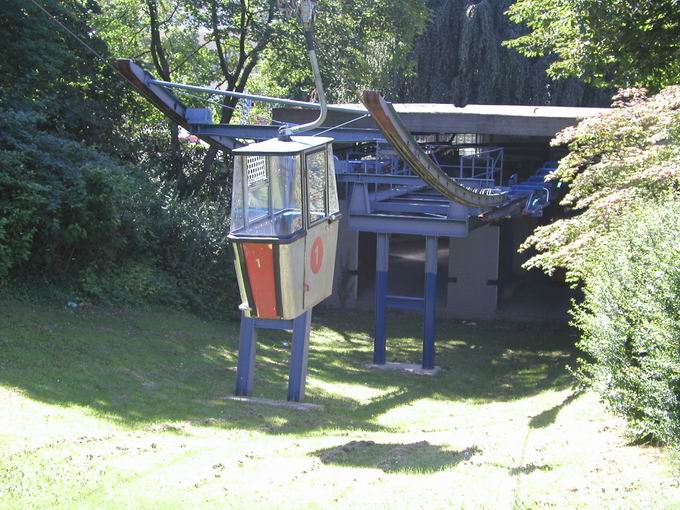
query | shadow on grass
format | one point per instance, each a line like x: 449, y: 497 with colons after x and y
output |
x: 548, y: 417
x: 141, y: 368
x: 421, y: 457
x: 529, y: 468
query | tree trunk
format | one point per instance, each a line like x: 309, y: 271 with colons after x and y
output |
x: 162, y: 66
x: 209, y: 159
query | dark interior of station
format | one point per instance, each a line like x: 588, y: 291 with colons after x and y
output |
x: 522, y: 294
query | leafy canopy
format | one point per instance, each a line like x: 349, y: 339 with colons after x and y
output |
x: 460, y: 59
x: 619, y: 43
x: 45, y: 70
x: 619, y: 160
x: 360, y: 44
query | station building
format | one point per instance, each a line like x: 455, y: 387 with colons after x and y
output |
x: 479, y: 274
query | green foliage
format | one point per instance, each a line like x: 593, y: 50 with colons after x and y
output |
x: 74, y: 214
x: 195, y: 41
x: 190, y: 243
x: 461, y: 59
x: 630, y: 320
x: 617, y: 161
x: 360, y: 45
x: 125, y: 26
x: 131, y: 283
x: 620, y: 43
x: 187, y: 51
x: 45, y: 70
x: 62, y: 196
x: 621, y: 240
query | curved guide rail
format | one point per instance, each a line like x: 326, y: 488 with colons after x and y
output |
x: 403, y: 142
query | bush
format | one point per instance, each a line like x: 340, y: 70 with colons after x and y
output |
x: 74, y: 215
x: 131, y: 283
x: 63, y: 204
x: 630, y: 321
x: 618, y: 160
x: 619, y: 239
x: 190, y: 243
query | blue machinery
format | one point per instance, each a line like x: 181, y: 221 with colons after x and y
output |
x: 285, y: 209
x: 427, y: 305
x: 386, y: 203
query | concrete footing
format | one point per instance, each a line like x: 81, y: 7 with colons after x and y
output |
x: 298, y: 406
x: 409, y: 368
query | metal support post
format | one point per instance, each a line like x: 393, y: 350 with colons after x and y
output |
x: 381, y: 271
x: 245, y: 369
x: 297, y: 374
x: 430, y: 301
x: 298, y: 357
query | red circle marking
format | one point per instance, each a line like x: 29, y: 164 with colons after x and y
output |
x: 316, y: 255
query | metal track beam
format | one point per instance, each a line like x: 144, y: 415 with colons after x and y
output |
x: 167, y: 103
x: 408, y: 149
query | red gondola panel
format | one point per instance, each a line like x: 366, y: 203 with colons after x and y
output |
x: 260, y: 266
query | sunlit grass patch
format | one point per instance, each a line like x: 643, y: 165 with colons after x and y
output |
x: 124, y: 409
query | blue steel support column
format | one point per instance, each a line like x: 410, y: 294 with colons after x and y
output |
x: 430, y: 301
x: 246, y: 357
x: 298, y: 357
x: 381, y: 269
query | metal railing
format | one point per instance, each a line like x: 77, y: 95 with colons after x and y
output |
x: 485, y: 163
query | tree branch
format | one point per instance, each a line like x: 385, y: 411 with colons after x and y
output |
x: 218, y: 42
x: 191, y: 54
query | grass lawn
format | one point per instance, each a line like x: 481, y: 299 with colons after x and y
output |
x: 105, y: 408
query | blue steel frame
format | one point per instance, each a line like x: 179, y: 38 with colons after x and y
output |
x: 383, y: 211
x: 297, y: 374
x: 265, y: 132
x: 426, y: 304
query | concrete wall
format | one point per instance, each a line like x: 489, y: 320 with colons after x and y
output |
x: 473, y: 262
x: 473, y: 274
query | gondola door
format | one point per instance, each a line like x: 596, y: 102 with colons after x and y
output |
x: 321, y: 241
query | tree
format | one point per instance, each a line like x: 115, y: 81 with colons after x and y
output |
x: 608, y: 43
x: 73, y: 213
x: 617, y: 161
x: 200, y: 41
x: 620, y: 242
x: 47, y: 71
x: 361, y: 44
x: 460, y: 59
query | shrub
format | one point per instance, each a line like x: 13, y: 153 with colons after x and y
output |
x: 73, y: 214
x: 618, y: 160
x: 190, y: 243
x: 630, y: 320
x: 619, y: 240
x: 62, y: 203
x: 134, y: 282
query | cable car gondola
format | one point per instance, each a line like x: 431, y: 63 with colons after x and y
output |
x: 284, y: 225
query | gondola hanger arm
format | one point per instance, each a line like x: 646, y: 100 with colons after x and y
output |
x: 305, y: 10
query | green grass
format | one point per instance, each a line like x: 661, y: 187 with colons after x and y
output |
x: 106, y: 408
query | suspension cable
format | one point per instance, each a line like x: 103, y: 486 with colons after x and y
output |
x: 342, y: 125
x: 55, y: 20
x: 219, y: 104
